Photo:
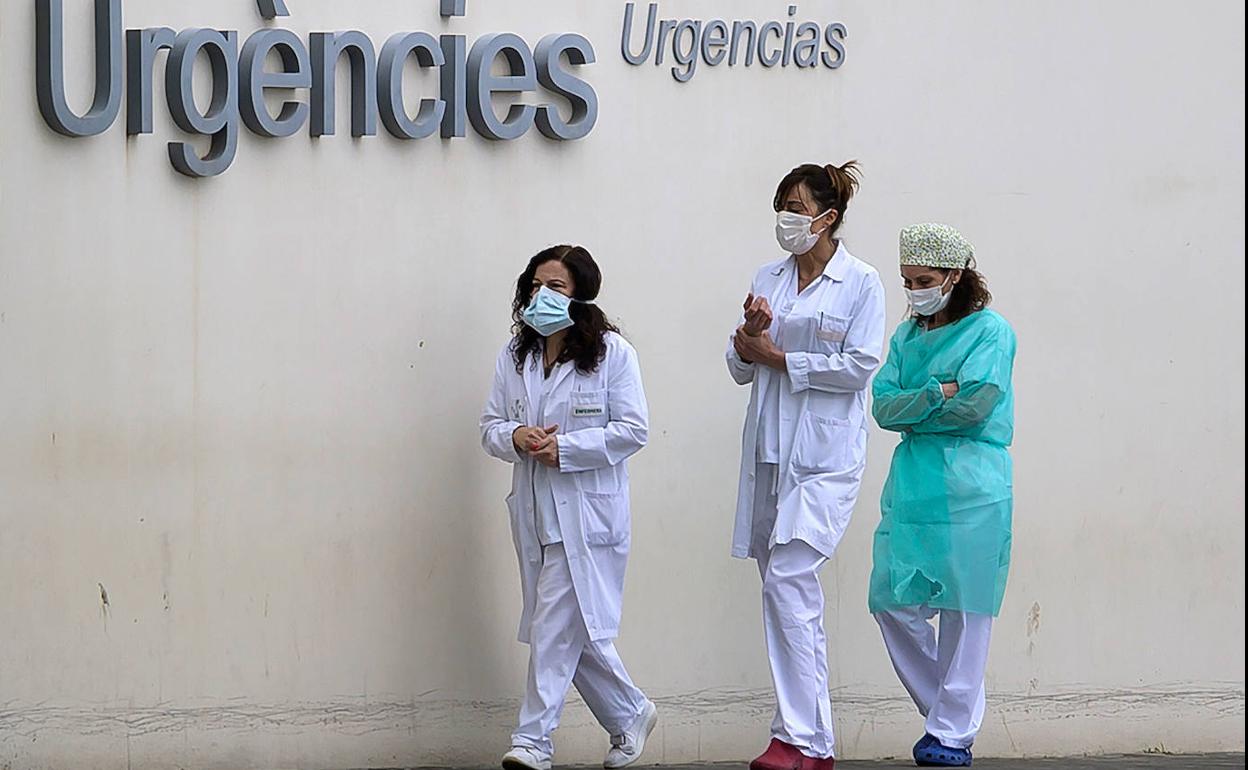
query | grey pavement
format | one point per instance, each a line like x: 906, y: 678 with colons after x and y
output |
x: 1140, y: 762
x: 1143, y: 762
x: 1146, y: 761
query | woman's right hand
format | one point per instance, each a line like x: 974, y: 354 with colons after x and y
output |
x: 527, y: 439
x: 757, y: 316
x: 950, y: 389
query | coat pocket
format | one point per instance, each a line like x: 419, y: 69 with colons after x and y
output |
x: 587, y: 409
x: 605, y: 518
x: 823, y: 445
x: 831, y: 331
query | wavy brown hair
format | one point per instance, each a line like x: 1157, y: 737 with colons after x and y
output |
x: 586, y: 340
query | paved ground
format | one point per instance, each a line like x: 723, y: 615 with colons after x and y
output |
x: 1098, y: 763
x: 1147, y: 762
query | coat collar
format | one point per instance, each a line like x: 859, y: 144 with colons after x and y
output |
x: 534, y: 379
x: 837, y: 268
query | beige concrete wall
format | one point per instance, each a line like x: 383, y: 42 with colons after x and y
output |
x: 245, y: 407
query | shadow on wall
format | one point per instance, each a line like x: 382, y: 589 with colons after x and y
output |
x: 463, y: 623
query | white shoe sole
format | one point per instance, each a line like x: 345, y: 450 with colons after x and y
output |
x: 510, y: 763
x: 651, y: 722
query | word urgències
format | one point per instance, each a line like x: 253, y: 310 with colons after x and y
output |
x: 240, y: 79
x: 774, y: 43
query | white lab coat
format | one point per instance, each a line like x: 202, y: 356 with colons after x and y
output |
x: 834, y: 341
x: 603, y: 420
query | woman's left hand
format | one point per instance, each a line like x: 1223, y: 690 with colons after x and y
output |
x: 758, y: 350
x: 547, y: 451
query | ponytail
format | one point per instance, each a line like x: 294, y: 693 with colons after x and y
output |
x: 845, y: 180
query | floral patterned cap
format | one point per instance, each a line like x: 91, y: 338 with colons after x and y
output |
x: 935, y: 245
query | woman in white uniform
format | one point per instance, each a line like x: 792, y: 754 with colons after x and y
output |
x: 567, y: 409
x: 810, y: 339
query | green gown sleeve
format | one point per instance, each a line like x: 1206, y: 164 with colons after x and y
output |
x: 983, y: 380
x: 896, y: 408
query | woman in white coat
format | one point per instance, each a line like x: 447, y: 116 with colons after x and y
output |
x: 810, y: 339
x: 567, y: 409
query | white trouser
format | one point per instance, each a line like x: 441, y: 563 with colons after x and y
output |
x: 946, y: 677
x: 797, y: 647
x: 561, y: 654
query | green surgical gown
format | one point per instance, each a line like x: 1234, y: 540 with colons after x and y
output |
x: 944, y: 533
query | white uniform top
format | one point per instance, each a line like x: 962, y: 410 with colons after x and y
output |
x: 603, y: 420
x: 548, y: 532
x: 832, y: 336
x: 769, y: 418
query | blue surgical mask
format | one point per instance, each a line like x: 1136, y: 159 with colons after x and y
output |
x: 550, y: 312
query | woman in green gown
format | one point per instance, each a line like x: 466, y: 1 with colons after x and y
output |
x: 943, y: 543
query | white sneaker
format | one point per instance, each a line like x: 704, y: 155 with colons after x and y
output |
x: 525, y: 758
x: 626, y: 749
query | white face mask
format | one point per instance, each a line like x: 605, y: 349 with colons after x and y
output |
x: 793, y: 231
x: 929, y: 302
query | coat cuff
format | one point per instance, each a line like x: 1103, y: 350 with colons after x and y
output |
x: 798, y: 366
x: 510, y: 452
x: 582, y: 450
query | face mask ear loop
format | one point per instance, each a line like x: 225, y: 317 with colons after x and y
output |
x: 821, y: 216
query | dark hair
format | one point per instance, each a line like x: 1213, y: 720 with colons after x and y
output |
x: 970, y: 294
x: 831, y: 186
x: 586, y: 341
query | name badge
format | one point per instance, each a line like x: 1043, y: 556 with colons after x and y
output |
x: 832, y: 329
x: 588, y: 410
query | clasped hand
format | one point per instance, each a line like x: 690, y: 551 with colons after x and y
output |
x: 541, y: 444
